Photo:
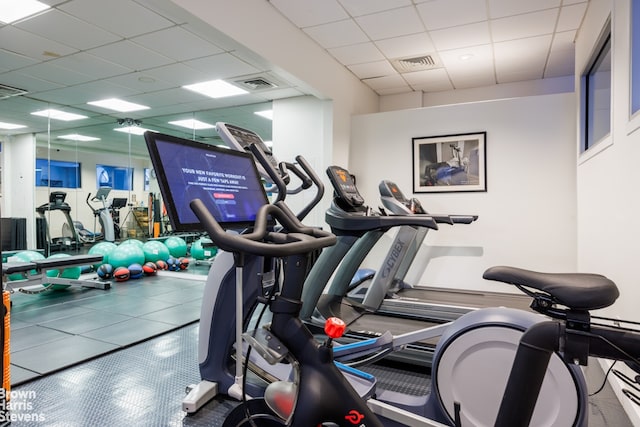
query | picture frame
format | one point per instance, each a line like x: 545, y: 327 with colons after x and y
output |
x: 450, y: 163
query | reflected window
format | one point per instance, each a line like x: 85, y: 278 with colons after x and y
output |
x: 57, y: 173
x: 147, y: 178
x: 597, y: 95
x: 116, y: 177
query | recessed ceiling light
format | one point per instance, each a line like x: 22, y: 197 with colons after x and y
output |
x: 59, y: 115
x: 78, y: 137
x: 466, y: 57
x: 267, y: 114
x: 216, y: 89
x: 10, y: 126
x: 118, y: 105
x: 12, y: 10
x: 133, y: 130
x: 192, y: 124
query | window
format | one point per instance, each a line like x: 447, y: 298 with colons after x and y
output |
x: 56, y: 173
x: 597, y: 91
x: 116, y: 177
x: 147, y: 178
x: 635, y: 56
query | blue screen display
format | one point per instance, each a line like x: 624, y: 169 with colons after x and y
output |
x: 226, y: 181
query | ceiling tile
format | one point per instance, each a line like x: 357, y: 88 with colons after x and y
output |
x: 178, y: 74
x: 140, y: 82
x: 121, y: 17
x: 336, y: 34
x: 357, y: 53
x: 165, y: 98
x: 522, y: 26
x: 20, y: 80
x: 222, y: 66
x: 463, y: 36
x: 372, y: 69
x: 130, y: 55
x: 564, y: 40
x: 388, y: 82
x: 13, y: 61
x: 90, y: 65
x: 59, y: 26
x: 306, y: 13
x: 393, y: 23
x: 51, y: 72
x: 79, y: 95
x: 571, y: 17
x: 366, y: 7
x: 451, y: 13
x: 429, y: 80
x: 522, y: 59
x: 406, y: 46
x: 502, y: 8
x: 178, y: 44
x: 25, y: 43
x: 560, y: 63
x: 393, y: 91
x: 476, y: 71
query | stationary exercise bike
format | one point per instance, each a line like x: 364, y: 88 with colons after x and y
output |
x: 470, y: 358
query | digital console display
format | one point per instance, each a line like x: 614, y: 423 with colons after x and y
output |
x: 226, y: 181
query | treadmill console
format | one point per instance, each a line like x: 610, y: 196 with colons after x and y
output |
x: 396, y: 202
x: 240, y: 139
x: 346, y: 193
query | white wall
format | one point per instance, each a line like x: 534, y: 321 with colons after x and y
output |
x: 607, y: 201
x: 527, y: 216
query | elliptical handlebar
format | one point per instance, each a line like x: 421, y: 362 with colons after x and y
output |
x: 297, y: 239
x: 277, y: 179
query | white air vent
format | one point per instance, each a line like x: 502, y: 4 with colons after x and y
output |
x: 417, y: 63
x: 8, y: 91
x: 256, y: 83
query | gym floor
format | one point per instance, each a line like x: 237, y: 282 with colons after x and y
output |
x: 124, y: 357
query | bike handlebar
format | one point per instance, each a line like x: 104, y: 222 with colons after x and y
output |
x: 297, y: 239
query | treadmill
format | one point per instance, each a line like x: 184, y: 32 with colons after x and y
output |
x: 358, y: 228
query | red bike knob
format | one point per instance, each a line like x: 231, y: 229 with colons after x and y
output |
x: 334, y: 327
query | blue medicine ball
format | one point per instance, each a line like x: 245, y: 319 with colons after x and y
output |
x: 105, y: 271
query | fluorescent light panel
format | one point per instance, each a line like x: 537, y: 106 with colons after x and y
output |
x: 133, y: 130
x: 118, y: 105
x: 192, y: 124
x: 13, y: 10
x: 216, y: 89
x: 11, y: 126
x: 267, y: 114
x: 78, y: 137
x: 59, y: 115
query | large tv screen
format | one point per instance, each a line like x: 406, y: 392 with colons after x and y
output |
x: 226, y: 181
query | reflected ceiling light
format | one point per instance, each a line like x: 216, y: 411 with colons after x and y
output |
x: 192, y: 124
x: 59, y: 115
x: 216, y: 89
x: 12, y: 10
x: 268, y: 144
x: 118, y: 105
x: 78, y: 137
x: 11, y: 126
x: 133, y: 130
x: 466, y: 57
x: 267, y: 114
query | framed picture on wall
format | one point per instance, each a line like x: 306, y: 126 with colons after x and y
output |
x: 450, y: 163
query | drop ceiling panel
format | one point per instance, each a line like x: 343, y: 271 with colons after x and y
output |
x: 131, y: 55
x: 557, y: 64
x: 19, y: 79
x: 357, y: 53
x: 392, y: 23
x: 79, y: 95
x: 366, y: 7
x: 55, y: 74
x: 141, y: 82
x: 122, y: 17
x: 462, y: 36
x: 388, y: 82
x: 406, y: 46
x: 521, y: 59
x: 309, y: 13
x: 12, y: 61
x: 222, y: 66
x: 165, y: 98
x: 31, y: 45
x: 372, y: 69
x: 335, y: 34
x: 178, y: 44
x: 429, y: 80
x: 451, y: 13
x: 91, y: 65
x: 522, y: 26
x: 571, y: 17
x: 59, y: 26
x: 178, y: 74
x: 502, y: 8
